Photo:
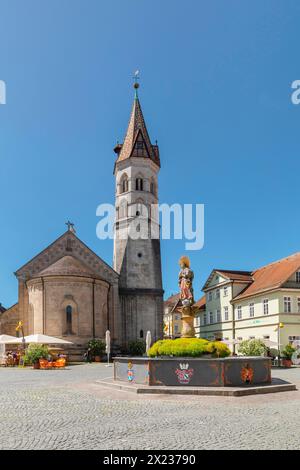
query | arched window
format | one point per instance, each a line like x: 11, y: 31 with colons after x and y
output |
x: 124, y: 184
x: 139, y: 184
x: 152, y: 187
x: 69, y: 319
x: 140, y: 208
x: 123, y: 209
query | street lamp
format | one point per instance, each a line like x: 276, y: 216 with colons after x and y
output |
x: 280, y: 325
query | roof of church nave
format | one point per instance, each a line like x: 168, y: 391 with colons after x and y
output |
x: 67, y: 266
x: 60, y: 249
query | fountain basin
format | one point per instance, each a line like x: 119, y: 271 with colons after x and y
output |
x: 187, y: 371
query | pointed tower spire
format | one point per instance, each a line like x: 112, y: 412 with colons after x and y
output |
x: 137, y: 141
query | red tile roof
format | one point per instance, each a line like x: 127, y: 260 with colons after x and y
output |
x: 137, y: 131
x: 173, y: 299
x: 201, y: 303
x: 236, y: 275
x: 271, y: 276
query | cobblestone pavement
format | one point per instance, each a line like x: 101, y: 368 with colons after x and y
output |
x: 68, y: 410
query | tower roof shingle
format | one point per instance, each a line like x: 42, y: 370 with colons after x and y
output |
x: 137, y: 141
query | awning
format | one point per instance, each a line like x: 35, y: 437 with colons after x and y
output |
x: 4, y: 339
x: 39, y: 339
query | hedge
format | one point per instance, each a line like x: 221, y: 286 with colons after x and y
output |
x: 188, y: 347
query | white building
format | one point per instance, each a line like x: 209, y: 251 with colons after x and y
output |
x: 243, y: 305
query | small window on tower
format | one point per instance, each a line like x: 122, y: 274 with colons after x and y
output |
x: 139, y: 184
x: 152, y: 187
x: 124, y: 185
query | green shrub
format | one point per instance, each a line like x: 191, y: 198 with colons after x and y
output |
x: 288, y: 351
x: 252, y: 347
x: 34, y: 352
x: 218, y: 349
x: 188, y: 347
x: 136, y: 348
x: 274, y: 352
x: 97, y: 347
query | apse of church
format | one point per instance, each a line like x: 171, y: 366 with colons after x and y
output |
x: 68, y: 291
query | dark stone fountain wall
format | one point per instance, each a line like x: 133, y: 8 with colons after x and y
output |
x: 186, y: 371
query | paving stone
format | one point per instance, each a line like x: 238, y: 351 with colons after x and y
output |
x: 66, y: 410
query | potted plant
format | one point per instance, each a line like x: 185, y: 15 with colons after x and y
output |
x: 136, y: 348
x: 97, y: 347
x: 34, y: 353
x: 287, y: 355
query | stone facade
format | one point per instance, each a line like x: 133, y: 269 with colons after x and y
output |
x: 66, y: 291
x: 9, y: 319
x: 137, y: 256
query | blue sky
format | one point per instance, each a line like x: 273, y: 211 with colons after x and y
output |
x: 215, y: 89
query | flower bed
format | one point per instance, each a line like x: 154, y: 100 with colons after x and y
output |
x: 188, y: 347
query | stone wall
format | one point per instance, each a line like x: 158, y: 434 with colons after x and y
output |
x: 9, y: 320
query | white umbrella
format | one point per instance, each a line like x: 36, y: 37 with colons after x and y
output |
x: 269, y: 343
x: 107, y: 348
x: 148, y: 341
x: 39, y: 339
x: 4, y: 339
x: 231, y: 341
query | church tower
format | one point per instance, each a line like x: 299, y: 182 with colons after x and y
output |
x: 136, y: 243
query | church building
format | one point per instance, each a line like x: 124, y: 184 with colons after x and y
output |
x: 68, y: 291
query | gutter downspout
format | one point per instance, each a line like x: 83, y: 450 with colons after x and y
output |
x: 44, y: 305
x: 107, y: 302
x: 233, y: 318
x: 93, y: 301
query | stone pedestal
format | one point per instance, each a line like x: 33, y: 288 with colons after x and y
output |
x: 187, y: 319
x: 188, y: 330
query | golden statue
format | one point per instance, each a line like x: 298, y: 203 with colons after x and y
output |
x: 186, y: 302
x: 186, y: 277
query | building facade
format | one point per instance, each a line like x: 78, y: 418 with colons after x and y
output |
x: 172, y: 317
x: 261, y: 304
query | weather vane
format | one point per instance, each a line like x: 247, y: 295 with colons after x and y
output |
x: 136, y: 78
